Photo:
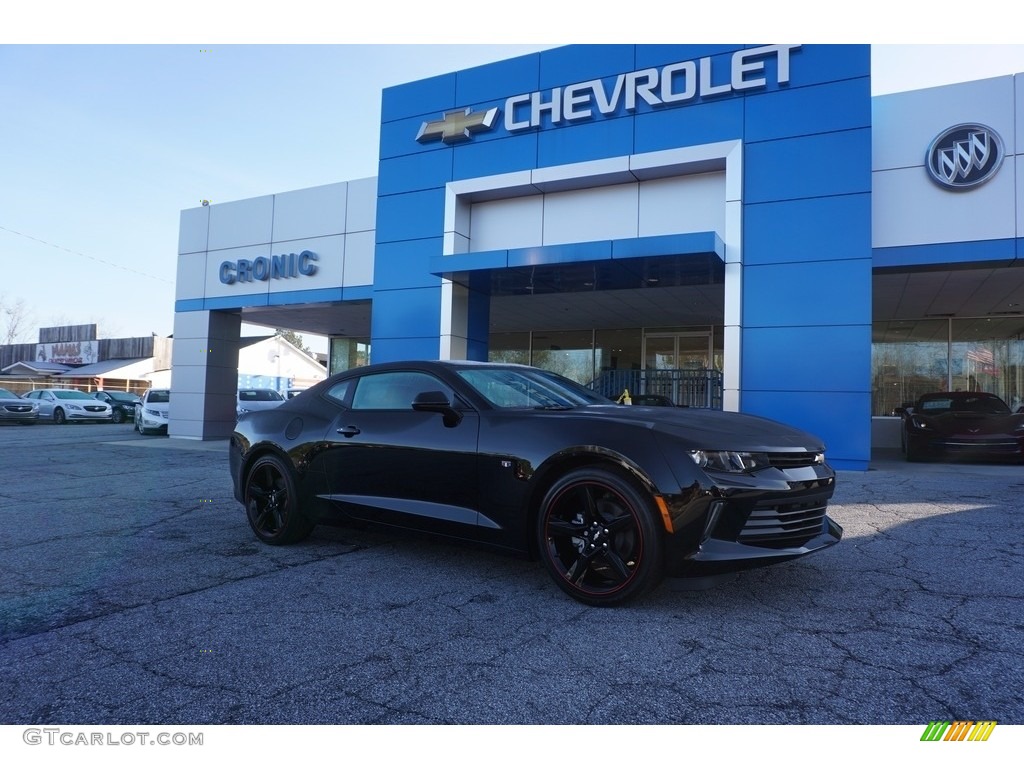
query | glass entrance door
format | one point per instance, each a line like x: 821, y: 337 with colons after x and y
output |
x: 665, y: 354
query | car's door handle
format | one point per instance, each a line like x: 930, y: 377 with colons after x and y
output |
x: 348, y: 431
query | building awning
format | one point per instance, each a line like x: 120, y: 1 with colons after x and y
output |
x: 135, y: 368
x: 29, y: 368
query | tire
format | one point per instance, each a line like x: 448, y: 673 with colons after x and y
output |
x: 118, y: 417
x: 59, y: 417
x: 138, y: 426
x: 271, y: 503
x: 599, y: 537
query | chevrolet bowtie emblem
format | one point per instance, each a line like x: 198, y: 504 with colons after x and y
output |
x: 457, y: 125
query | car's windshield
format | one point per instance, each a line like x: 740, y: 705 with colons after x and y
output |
x: 7, y: 394
x: 71, y: 394
x: 159, y: 396
x: 249, y: 395
x: 980, y: 403
x: 512, y: 388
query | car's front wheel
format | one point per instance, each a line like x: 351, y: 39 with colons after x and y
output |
x: 271, y: 503
x: 598, y: 537
x: 118, y: 417
x: 58, y: 416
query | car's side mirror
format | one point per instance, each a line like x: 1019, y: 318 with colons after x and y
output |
x: 437, y: 402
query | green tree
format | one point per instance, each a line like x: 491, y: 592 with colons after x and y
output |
x: 294, y: 338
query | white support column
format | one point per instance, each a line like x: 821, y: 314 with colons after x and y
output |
x: 454, y: 321
x: 204, y: 382
x: 732, y: 362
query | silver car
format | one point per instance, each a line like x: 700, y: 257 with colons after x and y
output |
x: 64, y: 405
x: 14, y: 408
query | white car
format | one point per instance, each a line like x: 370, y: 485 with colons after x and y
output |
x: 258, y: 400
x: 64, y: 405
x: 151, y: 411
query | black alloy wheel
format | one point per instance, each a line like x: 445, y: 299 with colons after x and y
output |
x: 598, y: 536
x: 118, y: 416
x: 271, y: 503
x: 59, y: 417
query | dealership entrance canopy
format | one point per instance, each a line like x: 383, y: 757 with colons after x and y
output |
x: 732, y: 227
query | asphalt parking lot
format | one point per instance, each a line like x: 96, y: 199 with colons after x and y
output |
x: 134, y: 592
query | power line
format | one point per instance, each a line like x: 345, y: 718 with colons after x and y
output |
x: 87, y: 256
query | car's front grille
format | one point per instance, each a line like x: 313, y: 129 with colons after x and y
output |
x: 1010, y: 445
x: 95, y: 408
x: 18, y: 408
x: 783, y: 525
x: 793, y: 460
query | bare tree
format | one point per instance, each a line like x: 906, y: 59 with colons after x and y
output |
x: 16, y: 321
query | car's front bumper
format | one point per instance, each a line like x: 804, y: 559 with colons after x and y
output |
x: 995, y: 447
x: 19, y: 417
x: 87, y: 416
x: 153, y: 423
x: 751, y: 520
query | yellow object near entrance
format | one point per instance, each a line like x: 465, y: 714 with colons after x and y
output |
x: 624, y: 398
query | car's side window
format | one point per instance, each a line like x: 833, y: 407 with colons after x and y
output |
x: 395, y: 390
x: 339, y: 392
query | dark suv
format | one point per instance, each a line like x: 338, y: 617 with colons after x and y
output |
x: 121, y: 403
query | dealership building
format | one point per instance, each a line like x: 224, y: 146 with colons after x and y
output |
x: 736, y: 227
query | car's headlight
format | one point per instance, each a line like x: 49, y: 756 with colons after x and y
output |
x: 919, y: 422
x: 729, y: 461
x: 151, y: 412
x: 73, y: 407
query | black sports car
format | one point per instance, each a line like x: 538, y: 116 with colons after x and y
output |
x: 965, y: 424
x: 610, y: 497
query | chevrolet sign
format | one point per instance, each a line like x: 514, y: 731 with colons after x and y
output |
x: 672, y: 84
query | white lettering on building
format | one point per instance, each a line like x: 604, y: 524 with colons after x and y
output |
x: 672, y: 84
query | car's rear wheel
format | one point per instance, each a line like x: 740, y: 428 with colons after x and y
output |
x: 58, y: 416
x: 598, y: 537
x: 118, y: 417
x: 271, y: 503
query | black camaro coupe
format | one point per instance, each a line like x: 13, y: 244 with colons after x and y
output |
x: 962, y: 424
x: 612, y: 498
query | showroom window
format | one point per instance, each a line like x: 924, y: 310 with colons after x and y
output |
x: 910, y: 358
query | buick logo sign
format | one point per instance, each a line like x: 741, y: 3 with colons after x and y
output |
x: 964, y: 156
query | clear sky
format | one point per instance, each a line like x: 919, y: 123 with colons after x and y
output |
x: 102, y: 146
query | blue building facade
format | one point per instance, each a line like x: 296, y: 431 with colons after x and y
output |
x: 787, y: 127
x: 730, y: 226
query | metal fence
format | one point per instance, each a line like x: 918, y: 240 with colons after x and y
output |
x: 693, y: 387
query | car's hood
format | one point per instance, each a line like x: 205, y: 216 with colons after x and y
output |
x: 708, y: 429
x: 968, y: 423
